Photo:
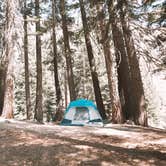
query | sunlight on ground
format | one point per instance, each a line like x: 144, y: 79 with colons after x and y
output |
x: 32, y: 144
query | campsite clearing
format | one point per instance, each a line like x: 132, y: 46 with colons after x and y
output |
x: 30, y: 144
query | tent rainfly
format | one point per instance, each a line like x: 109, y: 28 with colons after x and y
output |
x: 82, y: 113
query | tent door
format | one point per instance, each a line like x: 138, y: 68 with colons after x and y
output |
x: 81, y: 115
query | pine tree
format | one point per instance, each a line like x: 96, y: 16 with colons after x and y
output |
x: 117, y: 116
x: 2, y: 86
x: 58, y: 114
x: 26, y: 58
x: 11, y: 14
x: 122, y: 64
x: 140, y: 114
x: 2, y: 69
x: 70, y: 76
x: 94, y: 74
x: 38, y: 108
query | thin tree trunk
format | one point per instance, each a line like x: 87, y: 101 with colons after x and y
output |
x: 66, y: 89
x: 94, y: 74
x: 38, y: 108
x: 84, y: 76
x: 140, y: 114
x: 26, y: 58
x: 117, y: 116
x: 70, y: 76
x: 58, y: 114
x: 2, y: 86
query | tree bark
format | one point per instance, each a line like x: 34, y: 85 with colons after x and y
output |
x: 38, y: 108
x: 66, y: 89
x: 124, y: 78
x: 2, y: 86
x: 9, y: 94
x: 117, y: 116
x: 26, y: 59
x: 140, y: 114
x: 58, y: 114
x: 70, y: 76
x: 97, y: 91
x: 11, y: 10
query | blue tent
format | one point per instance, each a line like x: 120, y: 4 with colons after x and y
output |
x: 82, y: 112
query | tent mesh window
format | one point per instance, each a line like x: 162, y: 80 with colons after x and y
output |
x: 82, y: 114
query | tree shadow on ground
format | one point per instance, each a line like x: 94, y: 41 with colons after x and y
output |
x: 138, y: 129
x: 36, y: 149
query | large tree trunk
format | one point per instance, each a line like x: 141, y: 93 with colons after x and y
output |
x: 70, y: 75
x: 140, y: 114
x: 9, y: 93
x: 124, y: 79
x: 38, y: 108
x: 26, y: 59
x: 11, y: 10
x: 123, y: 72
x: 58, y: 115
x: 117, y: 116
x: 94, y: 74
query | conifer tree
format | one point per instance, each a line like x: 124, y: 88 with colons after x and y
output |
x: 140, y: 114
x: 70, y: 76
x: 58, y: 114
x: 117, y: 116
x: 96, y: 86
x: 26, y: 59
x: 2, y: 86
x: 38, y: 107
x: 8, y: 52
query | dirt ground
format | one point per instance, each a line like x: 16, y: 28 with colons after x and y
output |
x: 29, y: 144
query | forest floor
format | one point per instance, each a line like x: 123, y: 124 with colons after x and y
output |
x: 30, y: 144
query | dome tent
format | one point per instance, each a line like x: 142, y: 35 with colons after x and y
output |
x: 82, y: 112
